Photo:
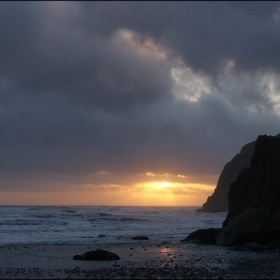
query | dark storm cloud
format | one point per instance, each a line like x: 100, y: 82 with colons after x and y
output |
x: 82, y: 89
x: 204, y: 34
x: 54, y: 55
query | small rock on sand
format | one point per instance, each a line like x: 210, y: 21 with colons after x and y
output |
x: 97, y: 255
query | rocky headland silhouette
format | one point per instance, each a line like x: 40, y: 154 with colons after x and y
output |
x: 218, y: 201
x: 254, y: 198
x: 254, y: 202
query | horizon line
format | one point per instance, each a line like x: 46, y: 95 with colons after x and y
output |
x: 36, y: 205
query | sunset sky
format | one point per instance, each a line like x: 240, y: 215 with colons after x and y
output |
x: 132, y: 103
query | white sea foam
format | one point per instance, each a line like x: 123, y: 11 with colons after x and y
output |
x: 77, y: 225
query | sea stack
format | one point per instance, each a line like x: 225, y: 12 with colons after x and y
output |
x: 254, y: 198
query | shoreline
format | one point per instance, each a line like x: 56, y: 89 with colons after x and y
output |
x: 138, y: 260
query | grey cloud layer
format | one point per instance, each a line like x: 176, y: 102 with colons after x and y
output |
x: 204, y: 34
x: 77, y: 98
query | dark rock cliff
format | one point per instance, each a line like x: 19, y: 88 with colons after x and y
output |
x: 218, y: 201
x: 254, y: 198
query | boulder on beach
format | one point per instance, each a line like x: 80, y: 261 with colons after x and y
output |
x: 254, y: 198
x: 97, y: 255
x: 140, y: 238
x: 204, y: 236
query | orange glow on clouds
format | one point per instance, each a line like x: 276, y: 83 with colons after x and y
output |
x: 151, y: 174
x: 150, y: 193
x: 105, y: 188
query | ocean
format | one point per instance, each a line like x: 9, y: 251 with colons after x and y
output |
x: 100, y: 224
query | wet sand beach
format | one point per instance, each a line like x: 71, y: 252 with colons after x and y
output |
x: 138, y: 260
